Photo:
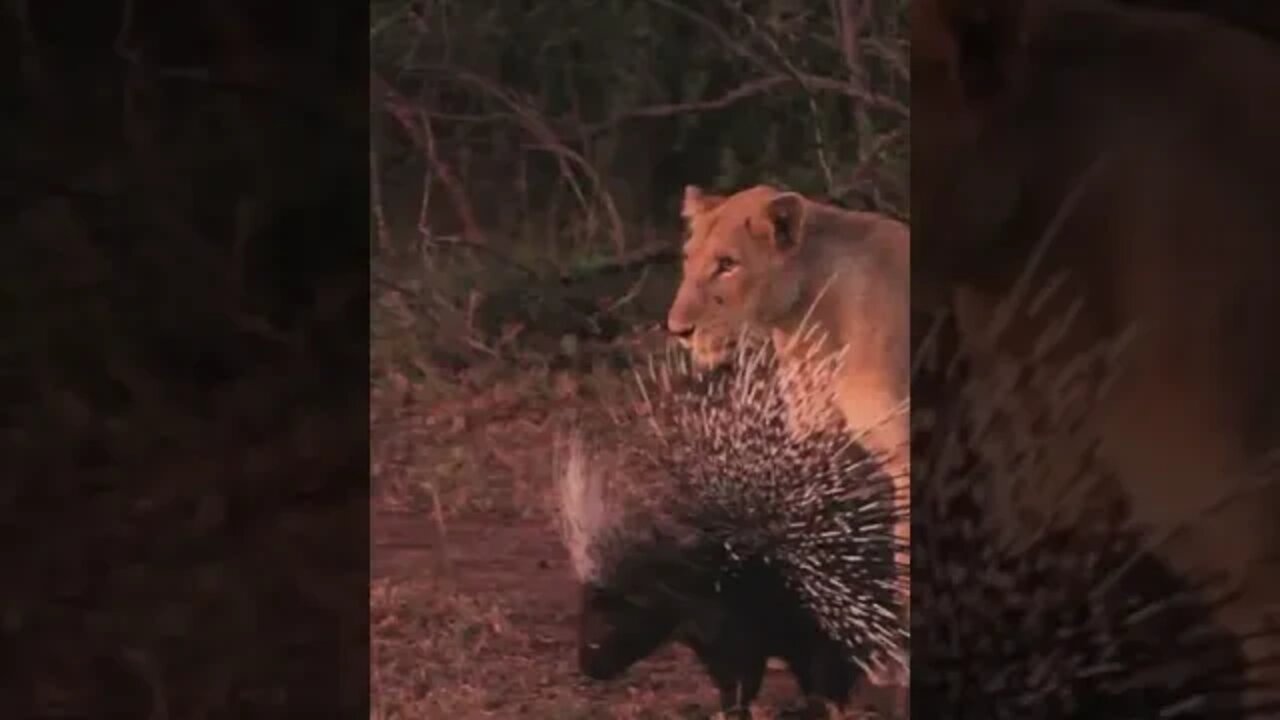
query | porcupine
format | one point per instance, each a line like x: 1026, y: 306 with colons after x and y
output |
x: 1063, y: 616
x: 760, y: 540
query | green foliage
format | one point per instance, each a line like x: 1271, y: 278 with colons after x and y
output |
x: 570, y: 128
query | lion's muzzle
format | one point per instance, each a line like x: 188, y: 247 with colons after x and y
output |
x: 680, y: 332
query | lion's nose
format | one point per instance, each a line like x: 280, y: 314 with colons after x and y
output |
x: 684, y: 332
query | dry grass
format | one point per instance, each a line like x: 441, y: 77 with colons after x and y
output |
x: 472, y: 600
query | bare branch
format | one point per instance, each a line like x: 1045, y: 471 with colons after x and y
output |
x: 738, y: 94
x: 809, y: 82
x: 417, y: 125
x: 819, y: 137
x: 548, y: 140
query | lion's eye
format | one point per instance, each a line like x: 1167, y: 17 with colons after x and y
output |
x: 724, y: 264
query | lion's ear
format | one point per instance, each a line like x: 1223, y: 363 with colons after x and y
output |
x: 697, y: 202
x: 787, y: 214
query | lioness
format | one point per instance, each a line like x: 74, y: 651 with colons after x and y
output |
x: 776, y: 261
x: 1164, y: 129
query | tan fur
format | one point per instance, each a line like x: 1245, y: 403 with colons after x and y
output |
x: 799, y: 266
x: 844, y: 273
x: 1176, y: 235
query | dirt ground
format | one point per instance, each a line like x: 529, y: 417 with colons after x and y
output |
x: 472, y: 599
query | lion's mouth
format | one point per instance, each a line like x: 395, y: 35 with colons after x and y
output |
x: 711, y: 355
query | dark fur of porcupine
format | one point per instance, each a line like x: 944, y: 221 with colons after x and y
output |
x: 755, y: 541
x: 1073, y: 617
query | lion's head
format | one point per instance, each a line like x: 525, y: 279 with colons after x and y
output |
x: 741, y: 267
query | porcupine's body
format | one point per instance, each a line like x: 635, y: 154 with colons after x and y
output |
x: 668, y: 589
x: 1060, y: 617
x: 759, y: 542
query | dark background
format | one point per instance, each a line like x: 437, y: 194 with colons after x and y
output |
x: 184, y: 377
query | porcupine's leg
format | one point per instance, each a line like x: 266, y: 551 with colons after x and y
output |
x: 737, y: 673
x: 750, y: 678
x: 734, y: 703
x: 824, y: 677
x: 837, y: 677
